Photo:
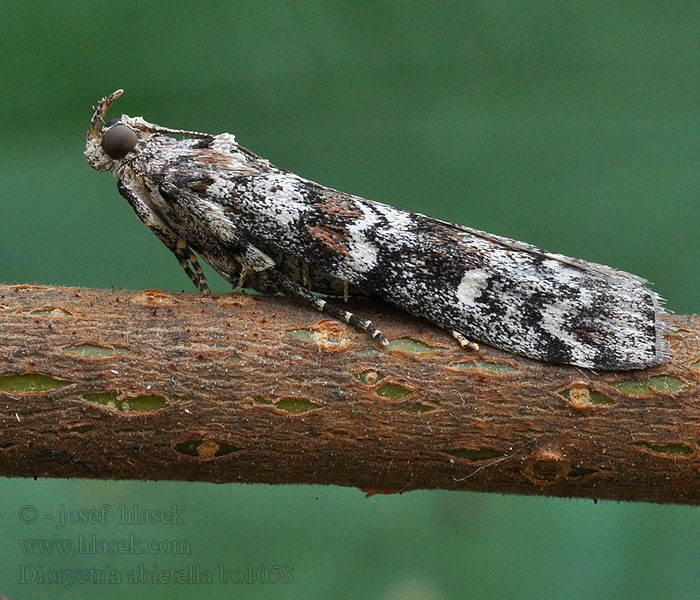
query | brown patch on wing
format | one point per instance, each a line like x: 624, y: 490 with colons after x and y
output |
x: 209, y: 157
x: 220, y: 161
x: 341, y: 206
x: 332, y: 236
x: 200, y: 186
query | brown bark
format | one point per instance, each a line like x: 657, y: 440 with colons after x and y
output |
x: 242, y: 388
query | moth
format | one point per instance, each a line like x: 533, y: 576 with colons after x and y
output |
x: 265, y: 228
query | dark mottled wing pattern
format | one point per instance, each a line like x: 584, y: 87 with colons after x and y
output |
x: 500, y: 291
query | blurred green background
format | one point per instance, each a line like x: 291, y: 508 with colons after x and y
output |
x: 571, y: 125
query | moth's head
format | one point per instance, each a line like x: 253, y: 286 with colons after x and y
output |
x: 108, y: 142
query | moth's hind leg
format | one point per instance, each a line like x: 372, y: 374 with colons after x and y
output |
x: 297, y: 291
x: 463, y: 340
x: 466, y: 343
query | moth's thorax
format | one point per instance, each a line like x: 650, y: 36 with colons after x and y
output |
x: 156, y: 152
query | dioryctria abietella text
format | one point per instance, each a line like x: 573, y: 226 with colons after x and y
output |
x: 267, y: 229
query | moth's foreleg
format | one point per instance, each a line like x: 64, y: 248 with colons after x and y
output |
x: 290, y: 288
x: 184, y: 254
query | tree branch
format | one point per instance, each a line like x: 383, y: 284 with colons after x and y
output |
x: 149, y: 385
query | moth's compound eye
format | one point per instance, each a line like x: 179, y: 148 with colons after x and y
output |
x: 118, y: 141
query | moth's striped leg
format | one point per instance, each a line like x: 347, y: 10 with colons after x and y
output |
x: 186, y: 257
x: 188, y: 261
x: 245, y: 271
x: 351, y: 318
x: 294, y: 289
x: 463, y: 341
